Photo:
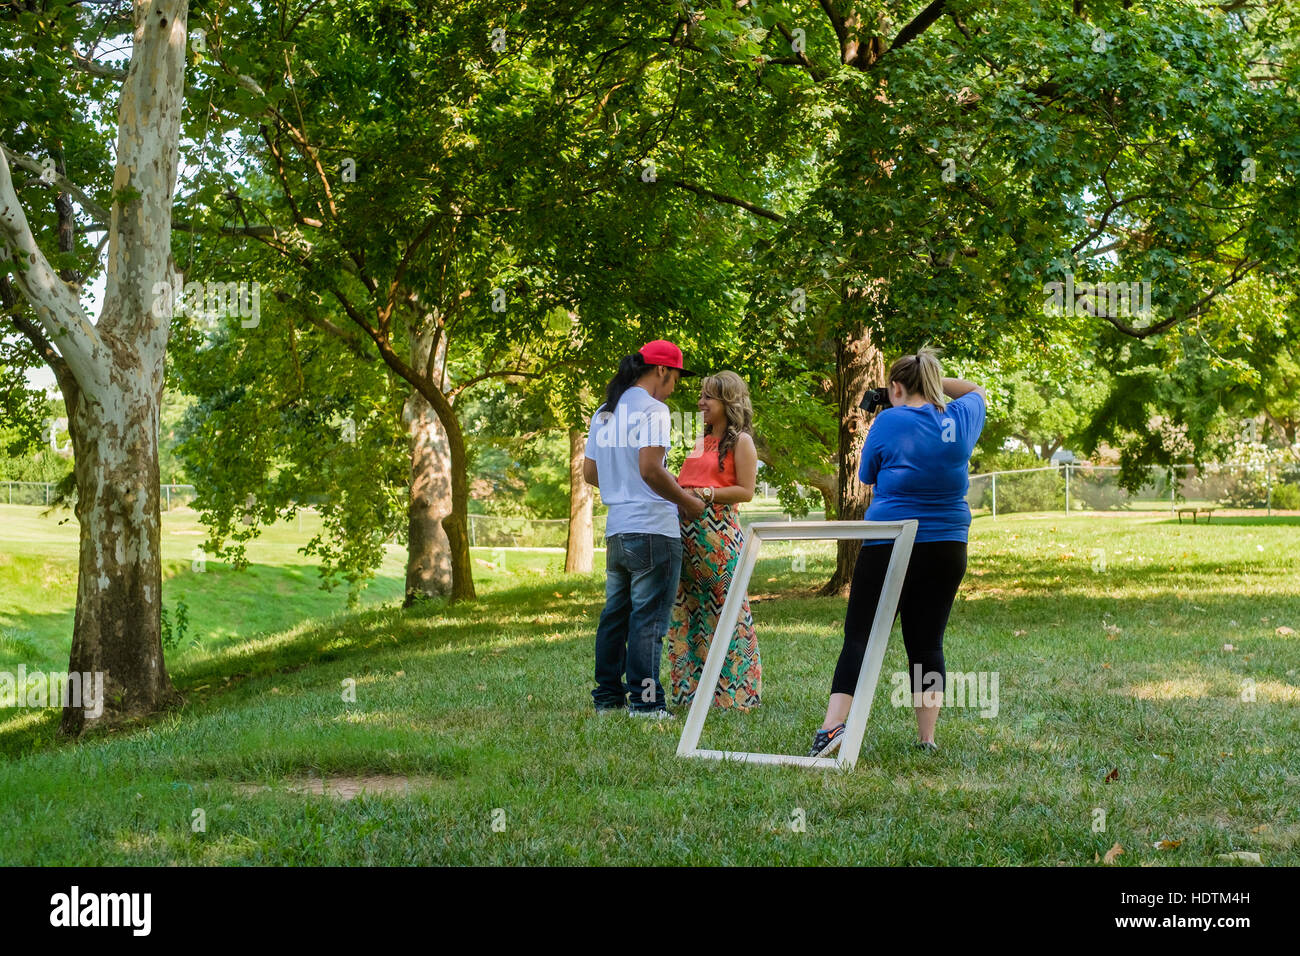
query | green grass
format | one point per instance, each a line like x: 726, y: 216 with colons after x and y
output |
x: 486, y: 709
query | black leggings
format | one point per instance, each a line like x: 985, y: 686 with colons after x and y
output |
x: 933, y: 575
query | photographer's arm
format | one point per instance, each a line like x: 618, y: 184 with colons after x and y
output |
x: 957, y: 387
x: 589, y: 473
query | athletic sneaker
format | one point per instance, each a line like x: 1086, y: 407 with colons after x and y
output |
x: 651, y: 713
x: 826, y: 742
x: 927, y: 745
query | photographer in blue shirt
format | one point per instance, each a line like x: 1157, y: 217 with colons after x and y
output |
x: 917, y: 455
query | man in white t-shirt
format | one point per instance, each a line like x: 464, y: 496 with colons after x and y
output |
x: 626, y: 455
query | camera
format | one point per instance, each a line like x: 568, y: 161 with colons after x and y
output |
x: 876, y: 398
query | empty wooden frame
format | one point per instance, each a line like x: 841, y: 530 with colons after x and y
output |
x: 902, y: 533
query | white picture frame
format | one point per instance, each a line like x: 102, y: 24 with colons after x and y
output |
x: 903, y: 534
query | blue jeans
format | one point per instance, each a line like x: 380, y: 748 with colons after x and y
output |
x: 641, y: 572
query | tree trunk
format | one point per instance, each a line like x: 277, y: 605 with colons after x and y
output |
x: 111, y: 373
x: 428, y: 552
x: 456, y: 523
x: 858, y: 363
x: 119, y: 578
x: 580, y: 546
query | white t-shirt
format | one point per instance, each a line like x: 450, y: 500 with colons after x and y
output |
x: 614, y: 443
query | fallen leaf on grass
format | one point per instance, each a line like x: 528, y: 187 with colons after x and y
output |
x: 1259, y: 829
x: 1019, y: 633
x: 1284, y: 631
x: 1113, y: 852
x: 1228, y: 647
x: 1167, y: 844
x: 1113, y: 775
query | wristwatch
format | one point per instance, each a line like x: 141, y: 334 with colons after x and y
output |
x: 706, y: 494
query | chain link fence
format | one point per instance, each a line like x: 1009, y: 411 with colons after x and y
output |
x: 497, y: 531
x: 42, y: 493
x: 1084, y: 487
x: 1065, y: 488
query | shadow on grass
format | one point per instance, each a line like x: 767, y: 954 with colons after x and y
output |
x: 540, y: 608
x: 1254, y: 521
x: 211, y: 682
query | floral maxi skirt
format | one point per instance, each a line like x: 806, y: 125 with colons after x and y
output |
x: 710, y: 549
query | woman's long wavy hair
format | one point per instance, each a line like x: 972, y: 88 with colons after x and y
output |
x: 921, y: 375
x: 629, y: 370
x: 730, y: 389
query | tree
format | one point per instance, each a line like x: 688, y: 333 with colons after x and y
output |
x: 978, y: 154
x: 397, y: 228
x: 1043, y: 411
x: 111, y: 372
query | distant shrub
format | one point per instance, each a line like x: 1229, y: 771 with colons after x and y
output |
x: 1040, y: 491
x: 1286, y: 497
x: 1243, y: 488
x: 1099, y: 492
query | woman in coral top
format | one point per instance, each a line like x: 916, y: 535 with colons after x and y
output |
x: 721, y: 470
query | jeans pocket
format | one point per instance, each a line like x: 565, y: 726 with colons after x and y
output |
x: 638, y: 552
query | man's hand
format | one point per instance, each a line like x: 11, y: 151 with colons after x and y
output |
x: 692, y: 508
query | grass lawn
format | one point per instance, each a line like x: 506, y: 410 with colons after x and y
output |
x: 473, y: 741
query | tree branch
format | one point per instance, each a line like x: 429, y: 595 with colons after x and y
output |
x: 919, y: 25
x: 60, y: 181
x: 87, y: 65
x: 724, y: 198
x: 799, y: 58
x: 55, y: 301
x: 9, y: 300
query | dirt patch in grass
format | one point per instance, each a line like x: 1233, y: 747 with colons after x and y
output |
x: 344, y: 787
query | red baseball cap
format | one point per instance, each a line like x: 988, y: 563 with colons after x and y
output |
x: 661, y: 352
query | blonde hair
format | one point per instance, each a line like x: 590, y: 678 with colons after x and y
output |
x: 730, y: 389
x: 921, y: 375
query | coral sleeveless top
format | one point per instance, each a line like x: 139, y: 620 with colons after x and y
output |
x: 701, y: 467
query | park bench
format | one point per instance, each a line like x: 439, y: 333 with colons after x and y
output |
x: 1205, y: 511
